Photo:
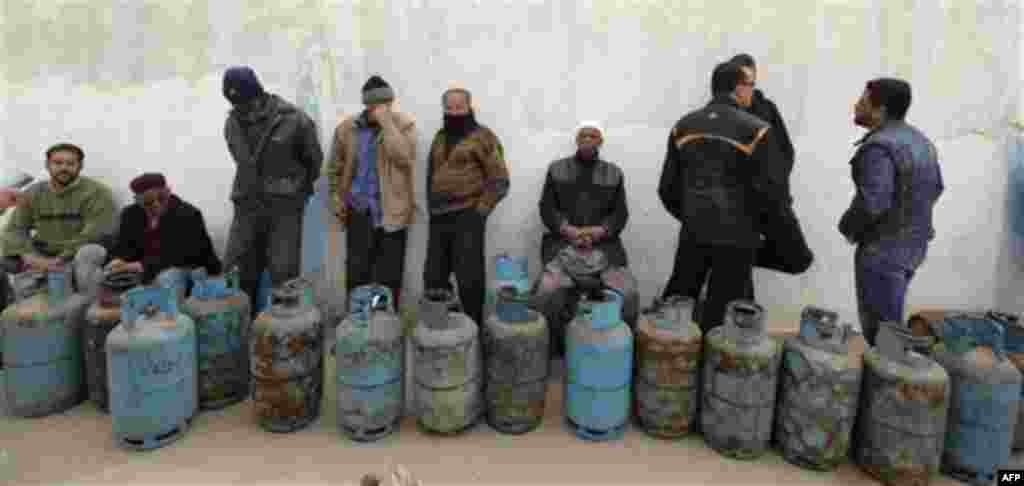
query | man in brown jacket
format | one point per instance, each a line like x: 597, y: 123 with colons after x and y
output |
x: 466, y: 178
x: 370, y: 185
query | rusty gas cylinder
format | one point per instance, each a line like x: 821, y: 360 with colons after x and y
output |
x: 287, y: 360
x: 903, y: 410
x: 821, y: 381
x: 447, y: 366
x: 101, y: 318
x: 669, y: 345
x: 222, y: 317
x: 516, y: 344
x: 740, y: 383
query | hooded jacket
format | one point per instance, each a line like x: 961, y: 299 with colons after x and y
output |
x: 276, y: 152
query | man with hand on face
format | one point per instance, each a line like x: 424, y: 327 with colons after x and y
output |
x: 466, y: 179
x: 370, y: 179
x: 161, y: 231
x: 277, y: 155
x: 898, y: 179
x: 583, y: 206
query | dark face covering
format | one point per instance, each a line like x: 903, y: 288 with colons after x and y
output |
x: 459, y: 125
x: 252, y: 110
x: 587, y: 152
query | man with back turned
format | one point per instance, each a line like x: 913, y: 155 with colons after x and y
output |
x: 716, y: 180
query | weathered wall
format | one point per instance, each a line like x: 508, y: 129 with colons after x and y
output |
x: 137, y: 83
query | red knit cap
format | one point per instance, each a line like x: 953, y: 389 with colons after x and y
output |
x: 147, y: 181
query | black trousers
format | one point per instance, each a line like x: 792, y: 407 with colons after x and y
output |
x: 456, y: 244
x: 374, y: 255
x: 730, y: 273
x: 265, y: 236
x: 785, y: 248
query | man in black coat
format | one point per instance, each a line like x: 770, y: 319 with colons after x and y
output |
x: 161, y: 231
x: 716, y: 180
x: 785, y: 248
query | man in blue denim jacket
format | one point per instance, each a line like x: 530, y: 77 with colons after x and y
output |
x: 896, y: 171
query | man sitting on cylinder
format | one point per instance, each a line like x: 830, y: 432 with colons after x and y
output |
x: 583, y: 206
x: 162, y: 236
x: 54, y: 221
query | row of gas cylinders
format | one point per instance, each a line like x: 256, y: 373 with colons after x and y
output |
x: 902, y: 407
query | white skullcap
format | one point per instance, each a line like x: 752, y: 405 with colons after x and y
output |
x: 588, y: 124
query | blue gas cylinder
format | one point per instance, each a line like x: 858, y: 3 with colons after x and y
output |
x: 599, y: 368
x: 40, y: 340
x: 1014, y: 333
x: 177, y: 279
x: 151, y: 363
x: 369, y: 372
x: 984, y: 399
x: 509, y: 271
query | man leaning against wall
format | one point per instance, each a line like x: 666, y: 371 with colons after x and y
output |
x: 58, y: 218
x: 277, y: 157
x: 466, y: 179
x: 896, y: 172
x: 370, y: 179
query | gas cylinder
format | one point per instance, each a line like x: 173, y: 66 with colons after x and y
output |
x: 41, y: 344
x: 741, y: 371
x: 151, y: 365
x: 821, y: 381
x: 599, y: 368
x: 1014, y: 333
x: 984, y: 397
x: 904, y: 404
x: 668, y: 348
x: 101, y: 318
x: 447, y: 366
x: 287, y: 359
x: 509, y: 271
x: 368, y: 373
x: 221, y: 312
x: 516, y: 344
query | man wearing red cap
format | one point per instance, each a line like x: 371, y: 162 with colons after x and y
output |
x: 161, y: 231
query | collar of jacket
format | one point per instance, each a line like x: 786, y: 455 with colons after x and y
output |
x: 270, y: 107
x: 725, y: 99
x: 884, y: 125
x: 68, y: 189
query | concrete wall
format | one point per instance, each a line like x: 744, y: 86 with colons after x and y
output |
x: 137, y: 84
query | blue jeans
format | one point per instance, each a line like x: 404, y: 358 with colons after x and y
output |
x: 883, y: 272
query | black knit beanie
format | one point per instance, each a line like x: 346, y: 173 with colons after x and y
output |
x: 377, y: 91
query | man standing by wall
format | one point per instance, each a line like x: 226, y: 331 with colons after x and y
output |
x: 785, y: 248
x: 370, y: 181
x: 68, y: 212
x: 896, y: 171
x: 583, y: 206
x: 466, y: 179
x: 714, y: 182
x: 277, y: 155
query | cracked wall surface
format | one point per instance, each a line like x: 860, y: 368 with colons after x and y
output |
x: 137, y: 84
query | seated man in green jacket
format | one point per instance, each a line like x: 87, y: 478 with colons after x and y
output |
x: 66, y: 213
